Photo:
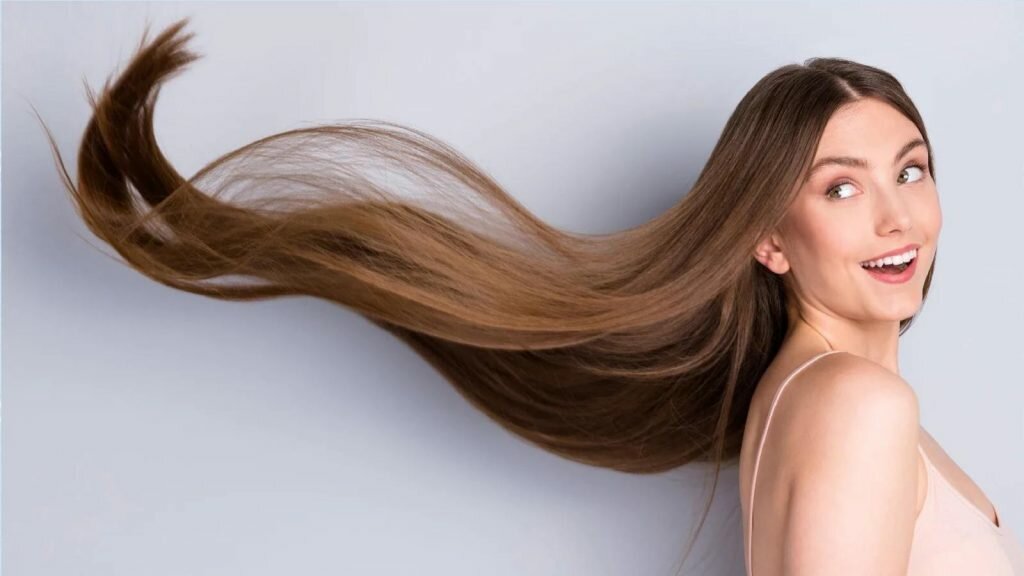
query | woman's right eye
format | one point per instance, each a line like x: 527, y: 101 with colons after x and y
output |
x: 839, y: 186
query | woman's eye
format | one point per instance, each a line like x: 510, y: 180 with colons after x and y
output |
x: 839, y: 186
x: 918, y: 167
x: 900, y: 180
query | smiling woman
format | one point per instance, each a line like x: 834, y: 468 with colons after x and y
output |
x: 640, y: 350
x: 888, y: 213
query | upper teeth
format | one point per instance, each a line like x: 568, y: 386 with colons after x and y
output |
x: 892, y: 260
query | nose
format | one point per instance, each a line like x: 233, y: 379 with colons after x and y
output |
x: 892, y: 210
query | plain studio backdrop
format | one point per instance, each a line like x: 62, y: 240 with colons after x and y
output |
x: 153, y: 431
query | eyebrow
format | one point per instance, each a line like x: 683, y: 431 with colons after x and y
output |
x: 860, y: 162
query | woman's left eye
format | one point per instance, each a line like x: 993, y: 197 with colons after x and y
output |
x: 912, y: 166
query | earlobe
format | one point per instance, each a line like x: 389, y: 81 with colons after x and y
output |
x: 773, y: 261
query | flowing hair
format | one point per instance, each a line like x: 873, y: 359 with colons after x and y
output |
x: 637, y: 350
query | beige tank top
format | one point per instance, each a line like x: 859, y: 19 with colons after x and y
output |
x: 952, y: 537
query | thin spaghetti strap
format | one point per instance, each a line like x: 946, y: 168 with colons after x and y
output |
x: 923, y: 455
x: 757, y: 458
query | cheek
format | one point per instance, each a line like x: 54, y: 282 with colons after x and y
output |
x: 835, y: 241
x: 929, y: 215
x: 937, y: 218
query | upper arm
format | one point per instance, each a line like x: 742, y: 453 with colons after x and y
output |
x: 852, y: 500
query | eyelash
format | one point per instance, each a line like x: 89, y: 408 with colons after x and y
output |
x: 922, y: 167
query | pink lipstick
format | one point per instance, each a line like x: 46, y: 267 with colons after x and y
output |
x: 897, y: 278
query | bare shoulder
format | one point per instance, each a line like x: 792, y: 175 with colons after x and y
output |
x: 850, y: 445
x: 844, y: 398
x: 836, y: 387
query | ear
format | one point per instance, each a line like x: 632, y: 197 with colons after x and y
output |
x: 769, y: 253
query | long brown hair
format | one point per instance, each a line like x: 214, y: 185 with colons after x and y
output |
x: 637, y: 350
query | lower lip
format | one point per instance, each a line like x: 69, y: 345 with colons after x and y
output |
x: 900, y: 278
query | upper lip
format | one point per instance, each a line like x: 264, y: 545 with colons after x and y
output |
x: 894, y: 252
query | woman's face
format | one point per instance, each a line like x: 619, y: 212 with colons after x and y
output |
x: 849, y: 212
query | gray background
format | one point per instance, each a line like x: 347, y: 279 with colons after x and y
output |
x: 152, y: 431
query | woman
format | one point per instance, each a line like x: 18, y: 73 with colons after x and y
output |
x: 848, y: 480
x: 641, y: 350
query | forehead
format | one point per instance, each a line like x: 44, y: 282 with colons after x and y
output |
x: 867, y: 128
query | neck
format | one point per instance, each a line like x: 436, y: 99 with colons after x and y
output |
x: 877, y: 341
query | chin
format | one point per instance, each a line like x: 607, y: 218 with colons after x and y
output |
x: 899, y: 313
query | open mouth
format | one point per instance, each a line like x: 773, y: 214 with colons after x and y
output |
x: 888, y: 268
x: 893, y: 269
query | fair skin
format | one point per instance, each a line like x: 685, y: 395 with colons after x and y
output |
x: 835, y: 495
x: 823, y: 240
